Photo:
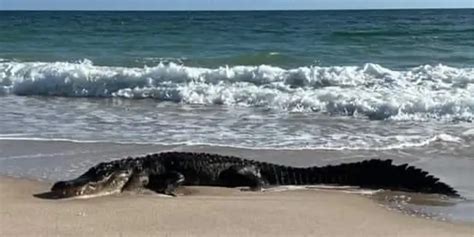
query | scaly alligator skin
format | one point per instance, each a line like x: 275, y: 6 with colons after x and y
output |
x: 163, y: 172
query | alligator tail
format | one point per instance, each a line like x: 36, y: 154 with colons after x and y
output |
x: 373, y: 174
x: 380, y: 174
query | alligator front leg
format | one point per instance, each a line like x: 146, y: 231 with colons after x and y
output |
x: 240, y: 176
x: 165, y: 183
x: 137, y: 182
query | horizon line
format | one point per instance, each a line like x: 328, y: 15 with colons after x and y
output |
x: 243, y: 10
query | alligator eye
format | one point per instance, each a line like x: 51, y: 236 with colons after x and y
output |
x: 124, y: 174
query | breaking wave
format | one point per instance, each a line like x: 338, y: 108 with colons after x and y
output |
x: 421, y: 93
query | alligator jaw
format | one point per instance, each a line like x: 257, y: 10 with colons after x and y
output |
x: 86, y: 187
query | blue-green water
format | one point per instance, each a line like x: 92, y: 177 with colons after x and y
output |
x: 296, y: 78
x: 394, y: 64
x: 395, y: 39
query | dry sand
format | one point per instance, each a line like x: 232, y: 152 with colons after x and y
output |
x: 207, y: 211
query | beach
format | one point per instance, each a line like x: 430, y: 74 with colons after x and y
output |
x: 205, y: 211
x: 197, y: 211
x: 293, y: 88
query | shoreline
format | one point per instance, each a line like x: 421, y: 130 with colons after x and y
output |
x: 49, y: 161
x: 208, y: 211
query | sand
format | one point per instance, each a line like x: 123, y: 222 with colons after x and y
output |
x: 205, y: 211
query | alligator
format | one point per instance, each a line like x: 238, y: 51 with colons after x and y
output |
x: 164, y: 172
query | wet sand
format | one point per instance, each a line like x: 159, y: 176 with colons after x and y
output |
x: 204, y: 211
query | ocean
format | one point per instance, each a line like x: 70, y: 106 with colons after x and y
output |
x: 347, y: 85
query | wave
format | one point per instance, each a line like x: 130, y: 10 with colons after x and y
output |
x: 402, y: 142
x: 382, y: 32
x: 421, y: 93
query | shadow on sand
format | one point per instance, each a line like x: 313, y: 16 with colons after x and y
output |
x: 48, y: 195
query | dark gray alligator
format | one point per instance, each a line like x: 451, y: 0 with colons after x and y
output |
x: 164, y: 172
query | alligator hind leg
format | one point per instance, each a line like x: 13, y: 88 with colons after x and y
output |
x: 239, y: 176
x: 165, y: 183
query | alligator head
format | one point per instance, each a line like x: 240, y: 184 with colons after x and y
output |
x: 95, y: 182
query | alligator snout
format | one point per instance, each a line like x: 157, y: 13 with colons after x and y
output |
x: 96, y: 185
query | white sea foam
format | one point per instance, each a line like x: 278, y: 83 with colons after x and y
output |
x: 421, y: 93
x: 400, y: 142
